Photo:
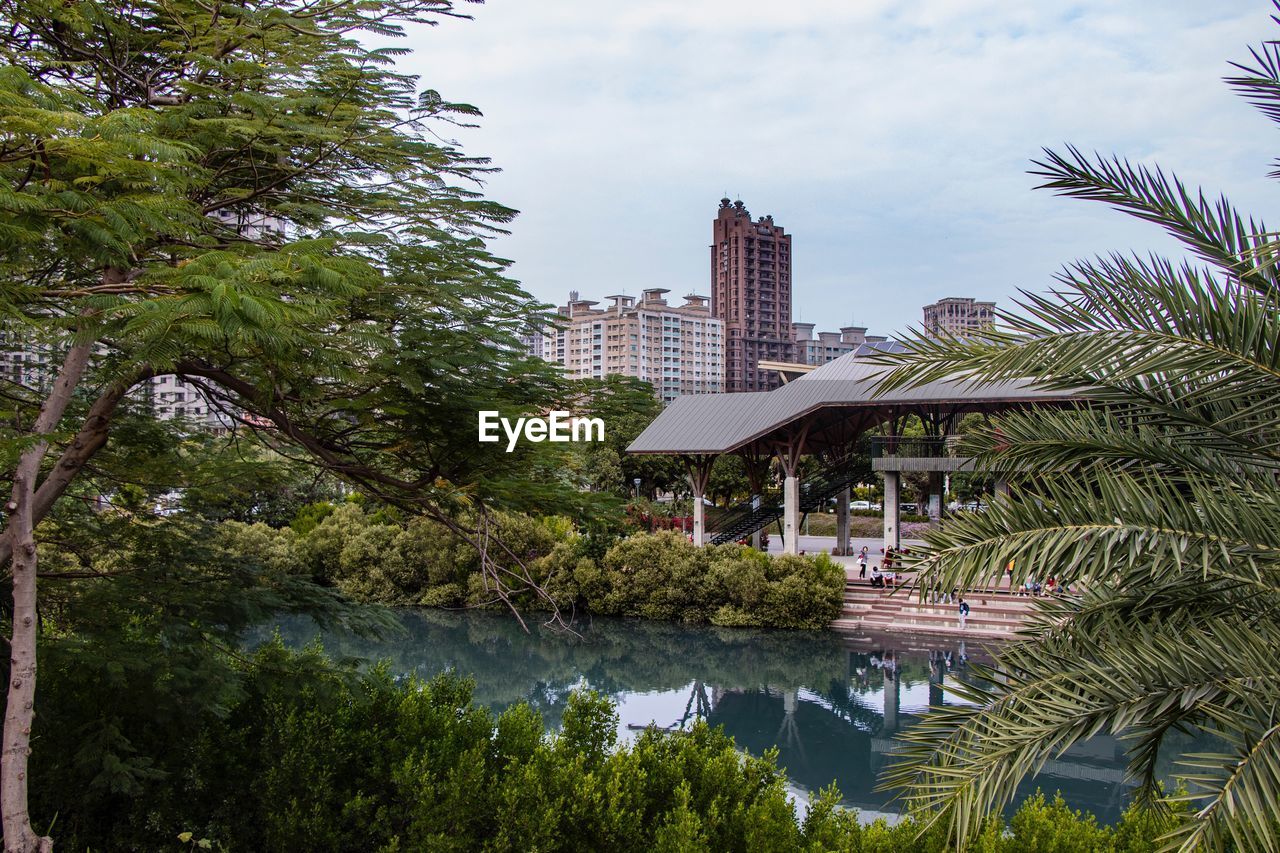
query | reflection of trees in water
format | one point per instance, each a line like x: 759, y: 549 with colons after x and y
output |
x: 613, y: 656
x: 830, y: 704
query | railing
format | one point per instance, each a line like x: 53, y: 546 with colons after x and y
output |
x: 749, y: 516
x: 915, y: 446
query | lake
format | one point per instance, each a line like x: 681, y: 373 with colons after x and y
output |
x: 831, y: 703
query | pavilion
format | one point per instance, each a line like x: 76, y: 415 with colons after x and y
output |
x: 824, y: 413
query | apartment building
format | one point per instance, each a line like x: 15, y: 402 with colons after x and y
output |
x: 32, y: 364
x: 678, y: 349
x: 958, y: 316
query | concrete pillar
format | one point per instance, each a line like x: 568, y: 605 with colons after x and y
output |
x: 842, y: 522
x: 891, y: 510
x: 699, y: 521
x: 936, y: 496
x: 791, y: 515
x: 756, y: 537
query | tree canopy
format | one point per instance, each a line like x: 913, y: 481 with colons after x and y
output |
x: 248, y: 196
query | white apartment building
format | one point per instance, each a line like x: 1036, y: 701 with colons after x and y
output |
x: 30, y: 363
x: 828, y: 346
x: 34, y: 365
x: 678, y: 349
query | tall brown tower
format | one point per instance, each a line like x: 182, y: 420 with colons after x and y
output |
x: 751, y: 292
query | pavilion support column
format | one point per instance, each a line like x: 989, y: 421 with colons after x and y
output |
x: 789, y: 452
x: 699, y: 471
x: 756, y: 537
x: 892, y: 513
x: 892, y: 697
x: 757, y: 462
x: 936, y: 496
x: 842, y: 521
x: 791, y: 515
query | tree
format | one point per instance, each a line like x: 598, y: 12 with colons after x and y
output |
x: 243, y: 195
x: 626, y: 405
x: 1156, y: 499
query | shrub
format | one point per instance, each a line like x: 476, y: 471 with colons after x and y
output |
x: 304, y: 756
x: 663, y: 576
x: 652, y: 576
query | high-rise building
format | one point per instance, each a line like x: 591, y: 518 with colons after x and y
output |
x: 751, y: 293
x: 678, y: 349
x: 958, y: 316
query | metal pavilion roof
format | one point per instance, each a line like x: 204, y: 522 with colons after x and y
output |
x: 843, y: 388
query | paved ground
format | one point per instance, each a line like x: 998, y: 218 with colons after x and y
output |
x: 814, y: 544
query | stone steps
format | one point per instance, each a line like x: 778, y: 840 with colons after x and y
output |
x: 992, y: 613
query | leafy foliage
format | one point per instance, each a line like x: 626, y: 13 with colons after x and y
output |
x: 655, y: 576
x: 302, y: 755
x: 1154, y: 500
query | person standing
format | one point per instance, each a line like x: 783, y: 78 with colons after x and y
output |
x: 964, y: 612
x: 862, y: 562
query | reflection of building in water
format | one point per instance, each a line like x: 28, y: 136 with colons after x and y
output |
x: 845, y: 730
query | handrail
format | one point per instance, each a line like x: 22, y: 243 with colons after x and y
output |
x: 925, y: 447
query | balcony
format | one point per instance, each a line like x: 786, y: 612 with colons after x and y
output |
x: 894, y: 453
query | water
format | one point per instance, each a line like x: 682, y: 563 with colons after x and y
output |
x: 831, y: 703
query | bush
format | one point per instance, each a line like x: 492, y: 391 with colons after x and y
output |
x: 663, y: 576
x: 652, y: 576
x: 309, y: 757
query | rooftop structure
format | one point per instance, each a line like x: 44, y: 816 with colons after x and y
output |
x: 828, y: 346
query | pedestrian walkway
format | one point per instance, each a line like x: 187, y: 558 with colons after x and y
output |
x: 824, y: 544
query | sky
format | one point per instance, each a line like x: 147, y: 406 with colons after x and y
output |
x: 892, y: 140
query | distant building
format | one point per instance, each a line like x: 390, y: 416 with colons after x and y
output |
x: 751, y: 293
x: 958, y: 316
x: 532, y: 343
x: 678, y: 349
x: 828, y: 346
x: 33, y: 364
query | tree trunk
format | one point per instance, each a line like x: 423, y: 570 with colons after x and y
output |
x: 91, y: 438
x: 19, y: 837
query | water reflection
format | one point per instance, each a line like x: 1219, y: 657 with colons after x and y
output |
x: 831, y: 704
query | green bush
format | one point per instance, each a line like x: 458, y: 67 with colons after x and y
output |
x: 652, y: 576
x: 308, y: 757
x: 663, y: 576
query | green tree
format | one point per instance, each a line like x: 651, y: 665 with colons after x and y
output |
x: 1156, y: 499
x: 626, y: 405
x: 245, y: 196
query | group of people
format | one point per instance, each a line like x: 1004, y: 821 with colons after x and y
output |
x: 882, y: 576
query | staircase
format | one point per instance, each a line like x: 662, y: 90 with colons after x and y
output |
x: 991, y: 615
x: 746, y: 518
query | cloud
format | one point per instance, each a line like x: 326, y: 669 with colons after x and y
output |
x: 891, y: 139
